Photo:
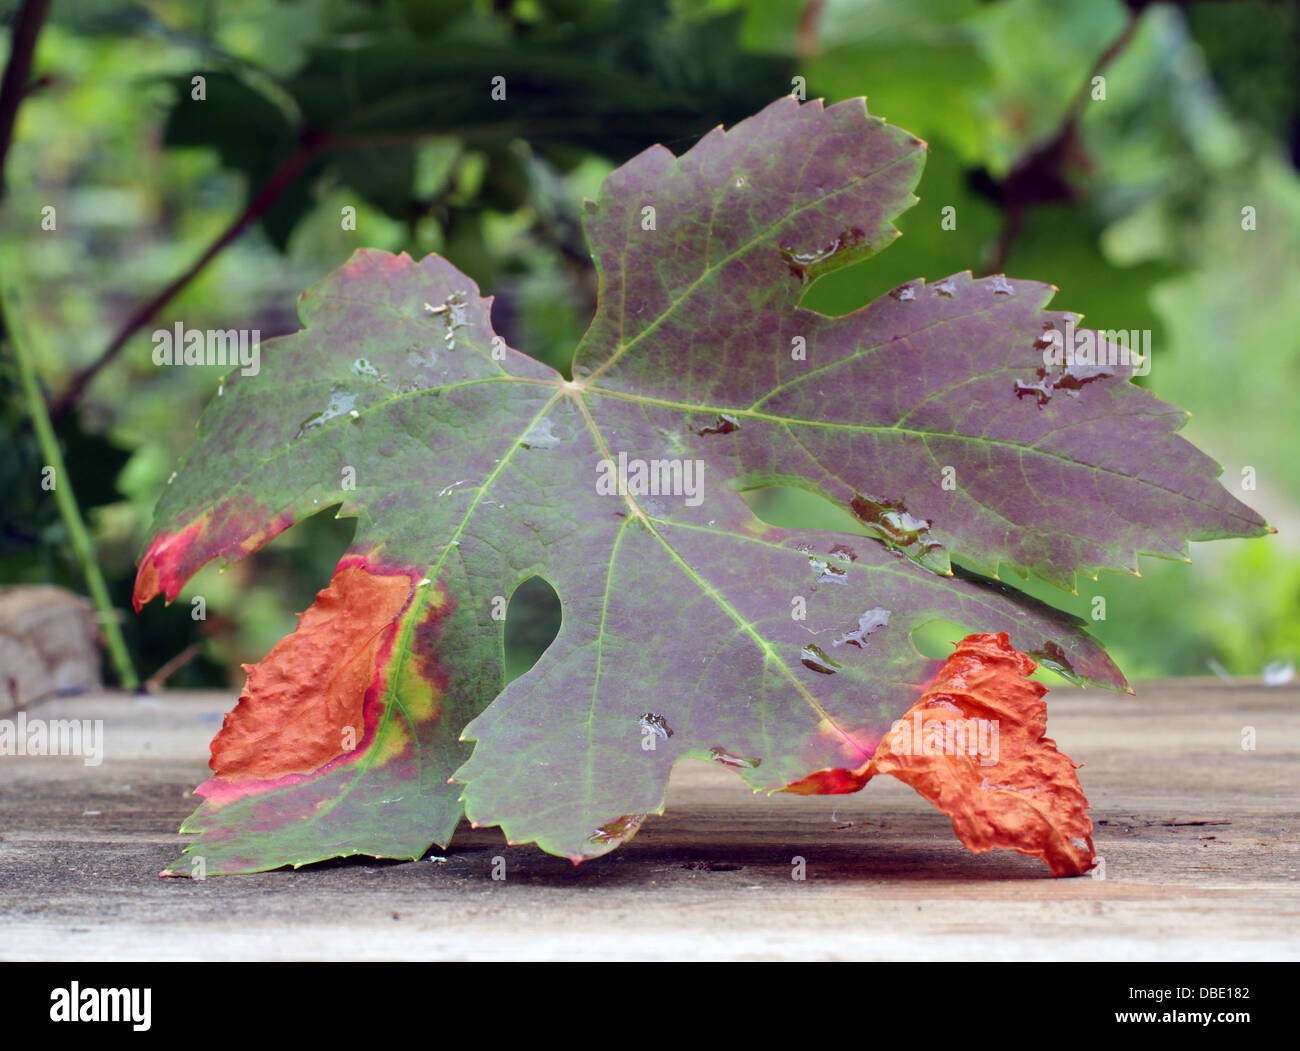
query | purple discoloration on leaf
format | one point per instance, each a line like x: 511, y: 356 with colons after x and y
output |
x: 477, y: 467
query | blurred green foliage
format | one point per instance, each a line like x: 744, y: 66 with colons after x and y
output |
x: 1131, y: 204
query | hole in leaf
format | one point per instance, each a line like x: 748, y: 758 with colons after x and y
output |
x: 786, y: 507
x: 935, y: 638
x: 532, y: 622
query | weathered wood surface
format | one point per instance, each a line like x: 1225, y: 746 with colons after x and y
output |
x: 1201, y: 841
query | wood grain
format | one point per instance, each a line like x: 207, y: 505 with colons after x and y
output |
x: 1200, y: 839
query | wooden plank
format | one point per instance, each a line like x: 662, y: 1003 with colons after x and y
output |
x: 1200, y: 837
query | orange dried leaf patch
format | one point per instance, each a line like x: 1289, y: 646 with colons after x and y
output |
x: 974, y: 745
x: 303, y: 704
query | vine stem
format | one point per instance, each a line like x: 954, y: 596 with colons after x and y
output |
x: 314, y: 144
x: 65, y: 498
x: 31, y: 17
x: 13, y: 87
x: 267, y: 196
x: 1051, y: 155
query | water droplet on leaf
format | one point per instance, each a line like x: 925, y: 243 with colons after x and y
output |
x: 800, y: 261
x: 725, y: 425
x: 871, y: 620
x: 1069, y: 378
x: 617, y: 831
x: 540, y: 436
x: 827, y: 573
x: 657, y: 723
x: 813, y: 657
x: 1052, y: 656
x: 890, y: 520
x: 340, y: 403
x: 721, y: 755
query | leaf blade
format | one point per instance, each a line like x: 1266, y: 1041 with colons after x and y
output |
x: 691, y: 629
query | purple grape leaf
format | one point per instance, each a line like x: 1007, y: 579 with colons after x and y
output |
x: 691, y: 628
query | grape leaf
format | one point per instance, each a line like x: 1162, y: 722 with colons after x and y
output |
x: 691, y: 628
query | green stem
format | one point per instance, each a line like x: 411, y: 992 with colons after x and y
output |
x: 82, y: 545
